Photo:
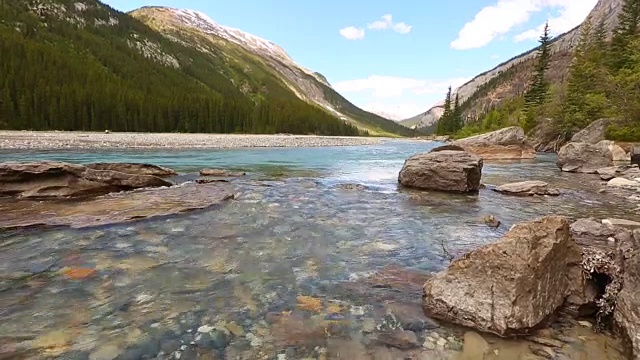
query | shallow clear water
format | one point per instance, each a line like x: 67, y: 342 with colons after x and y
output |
x: 294, y: 240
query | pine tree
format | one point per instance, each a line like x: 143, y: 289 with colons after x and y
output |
x: 623, y: 34
x: 457, y: 122
x: 539, y: 88
x: 444, y: 123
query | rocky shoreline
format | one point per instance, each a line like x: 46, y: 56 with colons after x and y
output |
x: 34, y: 140
x: 518, y: 285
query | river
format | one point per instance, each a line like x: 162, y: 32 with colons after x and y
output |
x: 292, y: 267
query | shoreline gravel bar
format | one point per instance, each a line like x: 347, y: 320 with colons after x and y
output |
x: 49, y: 140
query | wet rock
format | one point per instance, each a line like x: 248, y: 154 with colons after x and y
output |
x: 46, y: 180
x: 209, y: 181
x: 147, y: 349
x: 346, y: 350
x: 170, y: 345
x: 504, y: 144
x: 546, y: 341
x: 134, y: 168
x: 627, y: 312
x: 447, y: 147
x: 221, y: 173
x: 219, y: 339
x: 401, y: 339
x: 635, y: 155
x: 623, y: 223
x: 474, y: 347
x: 543, y: 351
x: 295, y: 330
x: 351, y: 187
x: 115, y: 208
x: 608, y: 173
x: 623, y: 183
x: 594, y: 133
x: 105, y: 352
x: 411, y: 317
x: 587, y: 158
x: 491, y: 221
x: 71, y: 355
x: 452, y: 171
x: 536, y: 255
x: 527, y: 188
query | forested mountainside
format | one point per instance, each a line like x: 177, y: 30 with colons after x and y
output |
x: 243, y: 54
x: 70, y: 65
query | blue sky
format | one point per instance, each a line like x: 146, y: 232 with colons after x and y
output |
x: 392, y: 57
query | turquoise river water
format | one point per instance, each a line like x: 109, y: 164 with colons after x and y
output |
x: 296, y: 267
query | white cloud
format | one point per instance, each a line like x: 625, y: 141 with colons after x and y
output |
x: 571, y: 15
x: 497, y: 20
x: 396, y: 97
x: 380, y: 86
x: 495, y: 56
x: 352, y: 33
x: 402, y: 28
x: 386, y: 22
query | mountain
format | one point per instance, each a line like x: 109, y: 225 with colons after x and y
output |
x: 81, y: 65
x: 510, y: 78
x: 235, y: 48
x: 426, y: 120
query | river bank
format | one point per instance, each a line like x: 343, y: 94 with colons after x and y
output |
x: 43, y: 140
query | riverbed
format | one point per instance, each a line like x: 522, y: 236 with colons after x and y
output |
x: 321, y: 253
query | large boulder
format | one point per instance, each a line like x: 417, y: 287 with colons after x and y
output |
x: 627, y: 309
x: 594, y: 133
x: 64, y: 180
x: 617, y: 152
x: 587, y: 158
x: 512, y: 286
x: 505, y: 144
x: 627, y: 312
x: 447, y: 170
x: 134, y: 168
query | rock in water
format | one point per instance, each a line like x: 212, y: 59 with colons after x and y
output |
x: 509, y: 287
x: 134, y: 168
x: 527, y: 188
x: 447, y: 170
x: 505, y: 144
x: 63, y: 180
x: 220, y: 173
x: 635, y: 155
x: 584, y: 157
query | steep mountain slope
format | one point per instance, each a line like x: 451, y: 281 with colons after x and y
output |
x: 235, y: 49
x: 511, y: 77
x: 81, y: 65
x: 425, y: 120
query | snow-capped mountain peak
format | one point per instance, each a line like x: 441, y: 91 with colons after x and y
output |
x: 203, y: 22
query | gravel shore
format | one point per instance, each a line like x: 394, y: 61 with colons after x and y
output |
x: 93, y: 140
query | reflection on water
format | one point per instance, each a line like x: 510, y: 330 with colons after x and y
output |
x: 297, y: 267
